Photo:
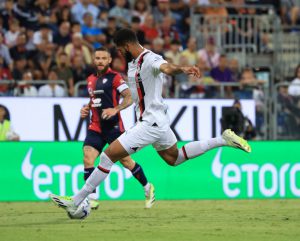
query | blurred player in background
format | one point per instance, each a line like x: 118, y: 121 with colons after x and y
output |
x: 146, y: 74
x: 106, y: 124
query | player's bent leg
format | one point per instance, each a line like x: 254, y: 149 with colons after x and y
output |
x: 115, y: 151
x: 169, y: 155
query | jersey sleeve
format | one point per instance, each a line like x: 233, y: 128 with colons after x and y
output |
x: 156, y: 62
x: 119, y: 83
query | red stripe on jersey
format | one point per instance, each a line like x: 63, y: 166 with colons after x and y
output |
x: 141, y: 97
x: 184, y: 153
x: 139, y: 84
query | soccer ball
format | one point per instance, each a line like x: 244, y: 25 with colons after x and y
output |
x: 82, y: 212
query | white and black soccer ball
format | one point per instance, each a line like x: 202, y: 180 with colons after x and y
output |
x: 82, y: 212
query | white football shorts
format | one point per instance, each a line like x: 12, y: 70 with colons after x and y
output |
x: 143, y: 134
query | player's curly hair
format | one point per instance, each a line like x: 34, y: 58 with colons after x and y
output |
x: 124, y: 36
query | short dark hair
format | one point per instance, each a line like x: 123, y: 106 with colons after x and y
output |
x: 102, y: 49
x: 135, y: 19
x: 124, y: 36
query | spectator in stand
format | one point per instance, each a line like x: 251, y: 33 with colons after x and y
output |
x: 289, y: 113
x: 45, y: 14
x: 81, y: 7
x: 64, y: 15
x: 46, y: 59
x: 222, y: 74
x: 20, y: 47
x: 78, y: 48
x: 42, y: 36
x: 136, y: 27
x: 64, y: 72
x: 178, y: 7
x: 290, y: 12
x: 12, y: 34
x: 51, y: 89
x: 30, y: 46
x: 140, y: 9
x: 168, y: 32
x: 93, y: 35
x: 75, y: 27
x: 2, y: 29
x: 161, y: 10
x: 5, y: 75
x: 4, y: 53
x: 25, y: 87
x: 102, y: 20
x: 19, y: 67
x: 248, y: 84
x: 63, y: 35
x: 215, y: 15
x: 80, y: 71
x: 235, y: 69
x: 294, y: 88
x: 191, y: 51
x: 110, y: 30
x: 25, y: 14
x: 149, y: 28
x: 7, y: 13
x: 121, y: 13
x: 173, y: 55
x: 251, y: 88
x: 158, y: 46
x: 209, y: 54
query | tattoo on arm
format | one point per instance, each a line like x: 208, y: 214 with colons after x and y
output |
x: 127, y: 100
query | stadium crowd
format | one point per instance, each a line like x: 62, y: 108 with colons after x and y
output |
x: 54, y: 40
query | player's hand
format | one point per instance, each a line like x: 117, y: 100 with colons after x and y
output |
x: 84, y: 111
x: 108, y: 113
x: 193, y: 71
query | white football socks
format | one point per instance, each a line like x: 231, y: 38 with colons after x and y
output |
x: 94, y: 180
x: 197, y: 148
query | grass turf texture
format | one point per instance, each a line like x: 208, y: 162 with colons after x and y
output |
x: 219, y: 220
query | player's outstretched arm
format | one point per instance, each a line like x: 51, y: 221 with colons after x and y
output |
x: 127, y: 101
x: 173, y: 69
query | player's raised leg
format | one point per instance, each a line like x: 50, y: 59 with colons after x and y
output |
x: 138, y: 172
x: 174, y: 156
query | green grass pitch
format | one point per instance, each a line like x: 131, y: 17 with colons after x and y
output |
x: 221, y: 220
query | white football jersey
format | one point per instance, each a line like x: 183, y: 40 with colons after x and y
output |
x: 145, y: 81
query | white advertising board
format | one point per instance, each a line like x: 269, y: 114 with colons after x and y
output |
x: 49, y: 119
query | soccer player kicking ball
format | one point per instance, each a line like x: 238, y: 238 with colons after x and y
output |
x: 146, y: 73
x: 105, y: 89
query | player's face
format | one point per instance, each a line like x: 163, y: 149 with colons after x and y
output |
x: 124, y: 50
x: 102, y: 59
